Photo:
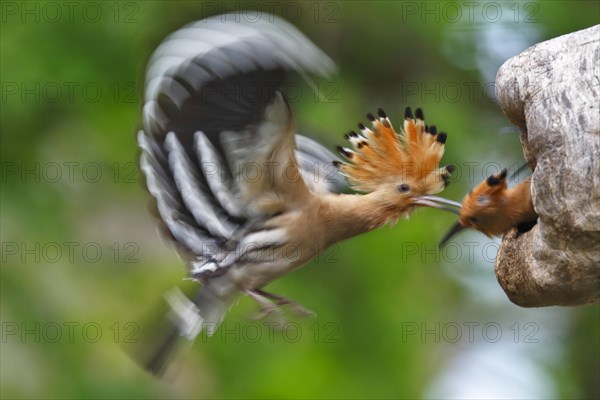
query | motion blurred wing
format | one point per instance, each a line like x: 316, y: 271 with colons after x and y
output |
x: 217, y: 133
x: 317, y: 167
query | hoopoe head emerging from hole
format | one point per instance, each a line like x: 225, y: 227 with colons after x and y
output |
x: 483, y: 207
x: 402, y: 169
x: 493, y: 209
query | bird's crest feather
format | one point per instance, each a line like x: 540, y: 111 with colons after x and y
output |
x: 381, y: 155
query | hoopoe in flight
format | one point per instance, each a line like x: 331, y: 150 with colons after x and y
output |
x: 242, y: 195
x: 492, y: 208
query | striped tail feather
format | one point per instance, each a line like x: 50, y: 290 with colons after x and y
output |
x: 164, y: 340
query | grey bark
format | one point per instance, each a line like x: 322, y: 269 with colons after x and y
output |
x: 551, y: 92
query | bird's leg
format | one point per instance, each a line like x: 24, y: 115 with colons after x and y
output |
x: 271, y: 303
x: 295, y: 307
x: 267, y: 307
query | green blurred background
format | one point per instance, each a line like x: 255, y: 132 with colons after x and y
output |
x: 82, y: 260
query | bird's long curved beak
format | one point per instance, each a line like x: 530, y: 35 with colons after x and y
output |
x: 457, y: 227
x: 439, y: 203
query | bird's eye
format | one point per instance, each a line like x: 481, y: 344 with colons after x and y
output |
x: 483, y: 200
x: 403, y: 188
x: 473, y: 220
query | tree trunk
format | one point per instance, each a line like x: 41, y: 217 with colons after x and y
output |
x: 551, y: 91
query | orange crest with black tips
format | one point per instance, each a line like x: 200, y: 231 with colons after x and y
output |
x: 381, y: 155
x: 485, y: 198
x: 485, y: 207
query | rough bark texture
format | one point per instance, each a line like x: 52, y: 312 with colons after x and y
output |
x: 551, y: 92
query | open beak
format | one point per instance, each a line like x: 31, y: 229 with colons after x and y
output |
x: 439, y: 203
x: 442, y: 204
x: 457, y: 227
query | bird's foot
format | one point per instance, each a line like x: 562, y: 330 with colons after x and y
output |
x: 270, y: 304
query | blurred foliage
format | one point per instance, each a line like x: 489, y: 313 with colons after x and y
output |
x: 72, y: 76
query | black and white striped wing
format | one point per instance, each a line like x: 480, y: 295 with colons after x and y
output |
x: 316, y: 166
x: 213, y: 108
